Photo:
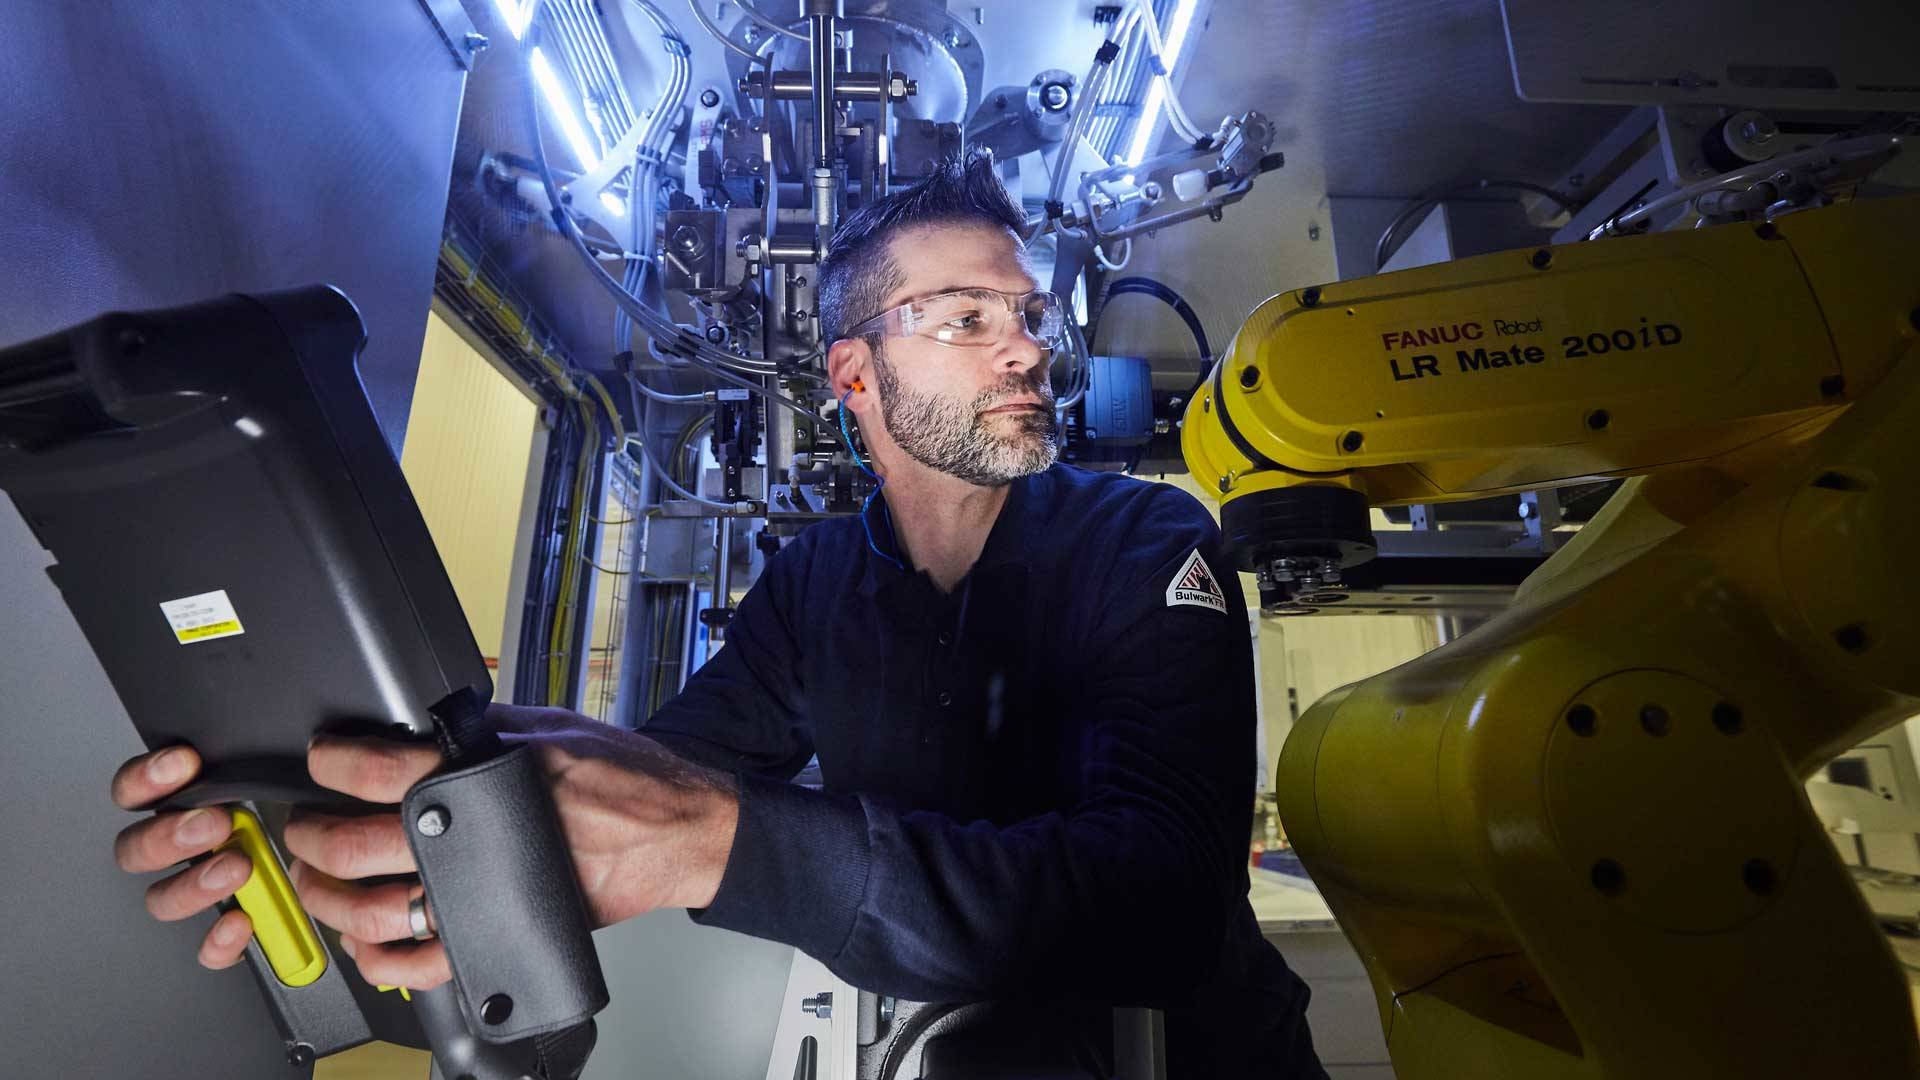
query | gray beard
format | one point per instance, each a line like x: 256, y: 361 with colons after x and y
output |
x: 955, y: 439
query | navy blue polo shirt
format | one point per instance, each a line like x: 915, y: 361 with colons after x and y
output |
x: 1037, y: 786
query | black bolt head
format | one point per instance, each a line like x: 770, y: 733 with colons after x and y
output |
x: 1609, y: 877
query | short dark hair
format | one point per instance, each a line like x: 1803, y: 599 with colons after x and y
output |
x: 859, y: 270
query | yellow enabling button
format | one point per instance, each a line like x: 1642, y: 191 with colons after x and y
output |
x: 280, y: 924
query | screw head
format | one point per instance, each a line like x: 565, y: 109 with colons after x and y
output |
x: 717, y: 333
x: 475, y: 41
x: 687, y: 240
x: 1055, y: 97
x: 709, y: 98
x: 433, y: 821
x: 954, y: 40
x: 496, y: 1009
x: 1541, y: 259
x: 1351, y: 441
x: 1310, y: 297
x: 1608, y: 877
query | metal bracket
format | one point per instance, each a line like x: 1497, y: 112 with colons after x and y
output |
x: 456, y: 30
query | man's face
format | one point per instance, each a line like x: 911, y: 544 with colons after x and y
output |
x: 982, y: 414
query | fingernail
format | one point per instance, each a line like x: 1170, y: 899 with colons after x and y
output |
x: 170, y: 767
x: 225, y: 873
x: 198, y: 827
x: 226, y: 932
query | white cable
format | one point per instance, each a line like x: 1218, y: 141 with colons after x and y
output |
x: 1836, y: 149
x: 1176, y: 115
x: 719, y: 34
x: 766, y: 23
x: 639, y: 439
x: 1101, y: 256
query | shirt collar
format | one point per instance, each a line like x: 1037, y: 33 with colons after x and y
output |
x: 1009, y: 542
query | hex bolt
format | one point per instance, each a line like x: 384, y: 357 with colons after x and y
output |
x: 1608, y: 877
x: 433, y: 821
x: 709, y: 98
x: 819, y: 1005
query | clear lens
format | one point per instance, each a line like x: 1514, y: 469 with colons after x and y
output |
x: 964, y: 318
x: 980, y: 317
x: 1046, y: 318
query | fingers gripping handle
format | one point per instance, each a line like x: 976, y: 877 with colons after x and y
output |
x: 507, y: 903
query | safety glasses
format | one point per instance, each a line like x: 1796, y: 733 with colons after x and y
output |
x: 973, y: 318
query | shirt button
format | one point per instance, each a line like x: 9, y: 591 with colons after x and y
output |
x: 944, y: 698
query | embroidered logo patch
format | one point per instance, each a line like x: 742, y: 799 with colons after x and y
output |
x: 1195, y: 586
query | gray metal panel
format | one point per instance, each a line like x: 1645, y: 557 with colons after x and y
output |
x: 1391, y: 97
x: 689, y: 1002
x: 1778, y: 54
x: 94, y: 987
x: 155, y: 154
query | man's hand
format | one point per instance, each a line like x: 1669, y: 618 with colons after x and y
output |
x: 645, y: 828
x: 166, y: 839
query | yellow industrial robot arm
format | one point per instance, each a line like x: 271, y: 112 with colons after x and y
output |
x: 1531, y: 369
x: 1575, y: 842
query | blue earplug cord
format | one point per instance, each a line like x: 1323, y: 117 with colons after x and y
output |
x: 865, y: 523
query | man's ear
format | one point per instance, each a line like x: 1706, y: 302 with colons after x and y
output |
x: 848, y: 363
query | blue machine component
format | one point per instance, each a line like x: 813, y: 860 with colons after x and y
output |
x: 1118, y: 410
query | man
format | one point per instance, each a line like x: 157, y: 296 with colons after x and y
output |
x: 1030, y: 698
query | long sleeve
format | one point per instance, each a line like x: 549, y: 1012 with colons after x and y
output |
x: 744, y: 709
x: 1123, y: 896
